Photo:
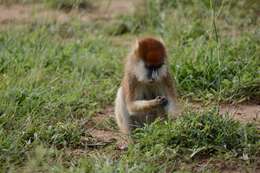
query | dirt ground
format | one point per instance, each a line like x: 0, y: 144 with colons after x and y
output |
x: 242, y: 112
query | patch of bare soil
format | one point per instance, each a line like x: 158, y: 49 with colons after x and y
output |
x: 22, y: 14
x: 13, y: 13
x: 113, y: 8
x: 96, y: 128
x: 229, y: 166
x: 242, y: 112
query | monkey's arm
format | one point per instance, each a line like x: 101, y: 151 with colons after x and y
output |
x: 137, y: 106
x: 142, y: 105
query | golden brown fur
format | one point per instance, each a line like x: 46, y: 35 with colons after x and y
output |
x: 147, y: 90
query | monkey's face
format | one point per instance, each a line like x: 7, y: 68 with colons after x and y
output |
x: 151, y: 57
x: 155, y: 72
x: 149, y: 73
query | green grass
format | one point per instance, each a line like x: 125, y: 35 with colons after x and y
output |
x: 192, y: 136
x: 163, y: 146
x: 224, y: 71
x: 55, y: 76
x: 207, y: 131
x: 49, y: 87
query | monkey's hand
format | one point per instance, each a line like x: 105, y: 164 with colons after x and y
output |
x: 161, y: 100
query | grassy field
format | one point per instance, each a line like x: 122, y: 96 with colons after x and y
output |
x: 55, y: 77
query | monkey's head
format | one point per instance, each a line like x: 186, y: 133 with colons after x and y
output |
x: 150, y: 61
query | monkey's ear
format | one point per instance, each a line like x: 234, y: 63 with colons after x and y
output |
x: 161, y: 40
x: 136, y: 45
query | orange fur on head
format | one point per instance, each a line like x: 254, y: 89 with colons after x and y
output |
x: 151, y: 51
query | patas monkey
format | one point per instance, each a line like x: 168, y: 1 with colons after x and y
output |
x: 147, y: 90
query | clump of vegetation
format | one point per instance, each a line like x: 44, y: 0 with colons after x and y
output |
x: 226, y: 70
x: 192, y: 136
x: 206, y: 132
x: 59, y: 135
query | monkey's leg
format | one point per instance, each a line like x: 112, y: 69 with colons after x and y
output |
x: 121, y: 113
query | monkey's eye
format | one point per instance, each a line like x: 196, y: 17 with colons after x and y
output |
x: 153, y: 67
